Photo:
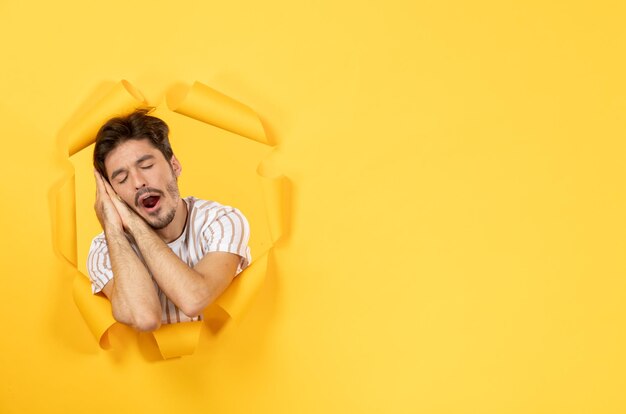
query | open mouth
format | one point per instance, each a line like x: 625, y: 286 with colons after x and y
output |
x: 150, y: 202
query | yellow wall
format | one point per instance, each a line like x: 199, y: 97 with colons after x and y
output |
x: 457, y: 241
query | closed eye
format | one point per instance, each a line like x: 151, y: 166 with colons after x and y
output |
x: 123, y: 181
x: 146, y: 167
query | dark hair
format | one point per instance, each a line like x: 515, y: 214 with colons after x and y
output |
x: 137, y: 125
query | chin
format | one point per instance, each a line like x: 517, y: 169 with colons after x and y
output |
x: 162, y: 221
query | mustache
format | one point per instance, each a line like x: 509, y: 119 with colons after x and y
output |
x: 144, y: 190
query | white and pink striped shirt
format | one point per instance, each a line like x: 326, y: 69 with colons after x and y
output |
x: 210, y: 227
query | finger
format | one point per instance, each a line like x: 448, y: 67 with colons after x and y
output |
x: 109, y: 190
x: 99, y: 187
x: 107, y: 185
x: 113, y: 196
x: 101, y: 192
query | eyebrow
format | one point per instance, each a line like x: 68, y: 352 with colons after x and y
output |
x: 139, y: 161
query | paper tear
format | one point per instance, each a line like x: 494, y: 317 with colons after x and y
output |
x: 65, y: 215
x: 208, y: 106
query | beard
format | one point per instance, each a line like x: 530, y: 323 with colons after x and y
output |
x: 160, y: 219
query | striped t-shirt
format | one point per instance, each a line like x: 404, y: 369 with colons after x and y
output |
x: 210, y: 227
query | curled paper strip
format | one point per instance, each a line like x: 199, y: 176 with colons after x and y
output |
x: 230, y: 133
x: 122, y: 98
x: 178, y: 339
x: 241, y: 291
x: 208, y: 105
x: 95, y: 309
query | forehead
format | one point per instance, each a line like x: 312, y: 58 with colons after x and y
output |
x: 128, y: 152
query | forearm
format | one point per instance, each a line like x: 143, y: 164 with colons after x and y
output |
x: 134, y: 298
x: 187, y: 288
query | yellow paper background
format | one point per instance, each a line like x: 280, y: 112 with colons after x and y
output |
x: 457, y: 240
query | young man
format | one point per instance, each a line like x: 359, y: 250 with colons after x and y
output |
x: 161, y: 258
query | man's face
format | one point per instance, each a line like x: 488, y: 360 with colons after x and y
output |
x: 145, y: 180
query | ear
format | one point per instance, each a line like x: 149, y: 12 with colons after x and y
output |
x: 176, y: 167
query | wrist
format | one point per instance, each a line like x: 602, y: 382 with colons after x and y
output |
x: 115, y: 234
x: 113, y: 228
x: 136, y: 225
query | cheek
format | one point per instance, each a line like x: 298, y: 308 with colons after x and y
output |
x: 125, y: 195
x: 129, y: 199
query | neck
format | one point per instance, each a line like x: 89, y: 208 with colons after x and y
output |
x: 173, y: 230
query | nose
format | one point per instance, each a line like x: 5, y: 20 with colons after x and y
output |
x: 138, y: 180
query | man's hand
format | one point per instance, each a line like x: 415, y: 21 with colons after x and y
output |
x: 107, y: 214
x: 110, y: 209
x: 132, y: 293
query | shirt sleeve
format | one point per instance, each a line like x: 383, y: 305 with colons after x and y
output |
x: 228, y: 232
x: 99, y: 264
